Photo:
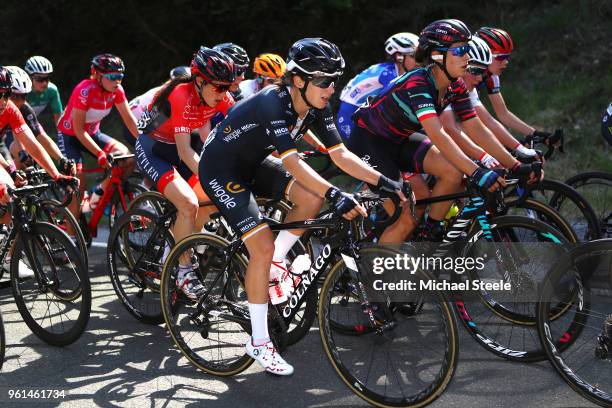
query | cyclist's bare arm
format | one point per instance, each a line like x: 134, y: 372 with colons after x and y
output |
x: 186, y: 152
x: 480, y: 134
x: 446, y: 145
x: 78, y: 121
x: 500, y: 132
x: 447, y: 118
x: 128, y: 118
x: 508, y: 118
x: 38, y: 153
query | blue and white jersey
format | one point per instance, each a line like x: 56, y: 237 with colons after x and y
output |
x: 368, y: 83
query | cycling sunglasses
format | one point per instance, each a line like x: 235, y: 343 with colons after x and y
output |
x: 502, y: 57
x: 324, y: 81
x: 220, y: 88
x: 40, y: 78
x: 459, y: 51
x: 240, y: 70
x: 114, y: 76
x: 6, y: 94
x: 476, y: 70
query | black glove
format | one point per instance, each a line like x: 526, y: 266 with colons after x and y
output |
x: 482, y: 179
x: 342, y: 203
x: 541, y: 134
x: 523, y: 171
x: 388, y: 185
x: 67, y: 166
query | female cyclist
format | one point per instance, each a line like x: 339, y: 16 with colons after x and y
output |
x: 166, y: 151
x: 268, y: 69
x: 235, y: 166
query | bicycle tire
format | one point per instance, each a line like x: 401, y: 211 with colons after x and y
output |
x: 139, y: 293
x: 2, y: 342
x: 575, y: 376
x: 355, y: 379
x: 64, y: 213
x: 497, y: 317
x: 603, y: 209
x: 544, y: 213
x: 172, y: 303
x: 42, y: 235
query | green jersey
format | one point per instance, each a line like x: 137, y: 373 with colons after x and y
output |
x: 49, y: 97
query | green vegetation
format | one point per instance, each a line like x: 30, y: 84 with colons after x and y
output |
x: 560, y: 74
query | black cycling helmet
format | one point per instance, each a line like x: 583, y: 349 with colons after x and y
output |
x: 107, y: 63
x: 180, y: 72
x: 212, y: 65
x: 442, y: 34
x: 310, y: 57
x: 606, y: 125
x: 5, y: 78
x: 236, y: 53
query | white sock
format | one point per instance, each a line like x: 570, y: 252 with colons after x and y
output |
x: 283, y: 244
x: 259, y: 323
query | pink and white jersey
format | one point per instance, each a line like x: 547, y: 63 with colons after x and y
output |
x: 141, y: 103
x: 89, y: 96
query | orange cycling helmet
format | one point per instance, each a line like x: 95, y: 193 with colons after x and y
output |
x: 269, y: 65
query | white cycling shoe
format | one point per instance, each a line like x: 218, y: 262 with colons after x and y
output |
x: 268, y: 357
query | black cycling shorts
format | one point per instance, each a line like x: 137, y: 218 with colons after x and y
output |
x: 387, y: 157
x: 233, y: 191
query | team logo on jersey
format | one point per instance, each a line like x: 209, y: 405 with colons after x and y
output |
x: 234, y: 188
x: 227, y: 129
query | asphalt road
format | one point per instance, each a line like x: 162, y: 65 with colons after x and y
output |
x: 120, y: 362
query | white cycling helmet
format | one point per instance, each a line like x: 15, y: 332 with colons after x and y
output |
x: 38, y: 65
x: 404, y: 43
x: 480, y: 52
x: 20, y: 80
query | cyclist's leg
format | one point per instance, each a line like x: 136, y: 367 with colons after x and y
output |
x: 71, y: 148
x: 448, y: 178
x: 113, y: 146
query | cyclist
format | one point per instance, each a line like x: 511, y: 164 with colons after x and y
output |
x: 21, y: 87
x: 480, y: 59
x: 606, y: 125
x: 235, y: 164
x: 241, y: 63
x: 79, y: 127
x: 400, y: 49
x: 11, y: 116
x: 166, y: 151
x: 140, y: 104
x: 388, y: 128
x: 268, y: 69
x: 45, y: 93
x: 501, y: 46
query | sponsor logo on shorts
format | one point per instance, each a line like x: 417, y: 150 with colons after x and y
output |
x: 234, y: 188
x: 222, y: 195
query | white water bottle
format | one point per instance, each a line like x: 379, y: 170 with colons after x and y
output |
x: 275, y: 289
x: 291, y: 280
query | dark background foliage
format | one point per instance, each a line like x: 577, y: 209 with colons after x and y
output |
x: 560, y: 74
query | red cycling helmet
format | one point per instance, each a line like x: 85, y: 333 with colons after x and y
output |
x: 498, y: 40
x: 213, y: 65
x: 105, y: 63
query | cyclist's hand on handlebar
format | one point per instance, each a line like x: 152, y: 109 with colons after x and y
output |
x: 344, y: 204
x: 105, y: 159
x: 391, y: 186
x: 67, y: 167
x: 486, y: 180
x: 69, y: 182
x: 533, y: 172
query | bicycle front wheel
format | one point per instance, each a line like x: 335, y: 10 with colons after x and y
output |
x: 50, y: 285
x: 409, y: 365
x: 211, y: 333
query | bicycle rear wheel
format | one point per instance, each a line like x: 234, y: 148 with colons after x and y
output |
x: 53, y: 213
x: 578, y: 344
x: 596, y: 187
x: 134, y: 253
x: 56, y: 301
x: 2, y: 342
x: 409, y: 365
x: 211, y: 333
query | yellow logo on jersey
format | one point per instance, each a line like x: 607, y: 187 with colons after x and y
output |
x: 234, y: 188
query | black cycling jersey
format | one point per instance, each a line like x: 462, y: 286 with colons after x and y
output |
x: 257, y: 126
x: 233, y: 164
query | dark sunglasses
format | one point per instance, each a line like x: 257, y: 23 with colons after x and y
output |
x: 476, y: 70
x: 6, y: 94
x: 240, y: 70
x: 41, y: 79
x: 502, y: 57
x: 18, y: 96
x: 459, y: 51
x: 220, y: 88
x: 324, y: 81
x: 114, y: 76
